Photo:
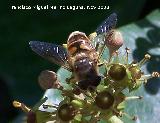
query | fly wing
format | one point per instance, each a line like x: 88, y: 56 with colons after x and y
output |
x: 107, y: 24
x: 52, y: 52
x: 102, y: 30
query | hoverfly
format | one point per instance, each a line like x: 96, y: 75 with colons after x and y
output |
x: 81, y: 56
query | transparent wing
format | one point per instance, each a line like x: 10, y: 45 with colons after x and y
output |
x: 102, y: 30
x: 107, y: 24
x: 52, y: 52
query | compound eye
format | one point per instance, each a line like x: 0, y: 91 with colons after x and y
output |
x: 73, y: 39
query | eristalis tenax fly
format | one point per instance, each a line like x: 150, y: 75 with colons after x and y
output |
x: 80, y: 56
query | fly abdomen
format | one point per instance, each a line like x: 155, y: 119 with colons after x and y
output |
x: 83, y: 67
x: 86, y: 73
x: 90, y: 82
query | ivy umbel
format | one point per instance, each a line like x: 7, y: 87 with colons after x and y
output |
x: 93, y: 95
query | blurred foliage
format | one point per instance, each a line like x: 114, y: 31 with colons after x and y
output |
x: 19, y: 66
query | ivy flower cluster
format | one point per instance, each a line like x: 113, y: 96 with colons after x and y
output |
x: 103, y: 102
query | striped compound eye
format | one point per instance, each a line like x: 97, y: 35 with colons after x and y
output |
x: 75, y: 36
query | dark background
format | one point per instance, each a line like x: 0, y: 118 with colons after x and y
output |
x: 19, y: 66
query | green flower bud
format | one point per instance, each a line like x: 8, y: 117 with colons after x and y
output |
x: 66, y: 112
x: 117, y: 72
x: 104, y: 100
